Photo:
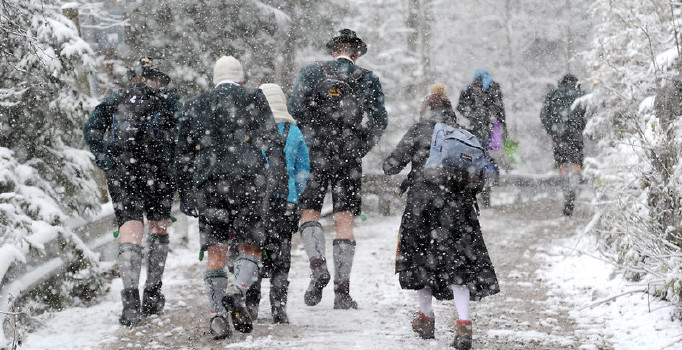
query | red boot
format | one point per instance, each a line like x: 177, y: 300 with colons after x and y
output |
x: 463, y: 335
x: 423, y: 325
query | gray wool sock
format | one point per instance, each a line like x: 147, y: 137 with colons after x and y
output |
x: 312, y: 236
x: 344, y: 252
x: 215, y: 282
x: 156, y: 259
x: 129, y: 264
x: 246, y: 269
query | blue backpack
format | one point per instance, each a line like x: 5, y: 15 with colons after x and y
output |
x: 455, y: 155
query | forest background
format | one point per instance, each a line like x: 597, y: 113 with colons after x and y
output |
x: 58, y: 58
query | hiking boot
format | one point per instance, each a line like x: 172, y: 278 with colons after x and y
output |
x: 423, y: 325
x: 130, y: 317
x: 342, y: 299
x: 253, y: 300
x: 463, y: 335
x: 344, y: 302
x: 220, y: 328
x: 319, y: 279
x: 569, y: 204
x: 152, y: 300
x: 279, y: 315
x: 235, y: 304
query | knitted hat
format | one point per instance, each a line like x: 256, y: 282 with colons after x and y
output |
x: 278, y: 102
x: 436, y: 99
x: 228, y: 68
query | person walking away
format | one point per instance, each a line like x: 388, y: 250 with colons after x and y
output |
x: 222, y: 135
x: 131, y: 135
x: 565, y: 122
x: 329, y: 102
x: 441, y: 252
x: 283, y: 214
x: 482, y: 105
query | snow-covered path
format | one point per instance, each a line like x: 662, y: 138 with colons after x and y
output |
x: 529, y: 243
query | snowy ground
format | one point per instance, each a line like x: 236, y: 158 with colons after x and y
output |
x: 553, y: 284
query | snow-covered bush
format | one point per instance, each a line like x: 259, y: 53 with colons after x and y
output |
x: 45, y: 175
x: 638, y: 194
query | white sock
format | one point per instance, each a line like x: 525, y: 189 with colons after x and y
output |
x: 425, y: 299
x: 462, y: 295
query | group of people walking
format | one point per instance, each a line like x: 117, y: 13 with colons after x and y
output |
x: 255, y: 168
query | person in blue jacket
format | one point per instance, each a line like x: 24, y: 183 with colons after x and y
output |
x: 284, y: 213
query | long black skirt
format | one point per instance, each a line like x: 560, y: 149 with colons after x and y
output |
x: 441, y: 244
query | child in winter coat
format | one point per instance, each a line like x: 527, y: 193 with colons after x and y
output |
x: 441, y: 252
x: 284, y: 213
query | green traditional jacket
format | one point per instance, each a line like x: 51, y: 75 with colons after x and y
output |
x: 372, y: 104
x: 225, y: 132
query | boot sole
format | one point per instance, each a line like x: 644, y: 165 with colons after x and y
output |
x: 313, y: 295
x: 220, y: 328
x: 240, y: 316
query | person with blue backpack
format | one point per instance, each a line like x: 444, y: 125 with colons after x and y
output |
x: 441, y: 252
x: 283, y: 213
x: 131, y: 135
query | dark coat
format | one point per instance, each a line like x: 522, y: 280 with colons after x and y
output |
x: 564, y: 123
x: 482, y: 108
x: 98, y: 126
x: 440, y: 240
x: 224, y: 133
x: 357, y: 140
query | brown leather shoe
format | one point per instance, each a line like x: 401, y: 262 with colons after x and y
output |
x: 463, y: 335
x: 423, y: 325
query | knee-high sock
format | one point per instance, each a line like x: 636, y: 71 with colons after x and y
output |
x: 246, y: 269
x: 462, y: 295
x: 312, y: 236
x: 215, y: 281
x: 129, y: 264
x: 425, y: 301
x: 344, y: 252
x: 156, y: 260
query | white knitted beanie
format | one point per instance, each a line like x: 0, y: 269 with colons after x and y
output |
x: 228, y: 68
x: 278, y: 102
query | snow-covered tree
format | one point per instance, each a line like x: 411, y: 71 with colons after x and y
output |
x: 190, y: 36
x: 45, y: 174
x: 637, y: 173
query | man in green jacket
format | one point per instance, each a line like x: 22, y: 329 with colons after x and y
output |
x: 223, y: 135
x: 131, y: 136
x: 329, y: 101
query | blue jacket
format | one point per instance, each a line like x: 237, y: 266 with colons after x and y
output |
x: 298, y: 161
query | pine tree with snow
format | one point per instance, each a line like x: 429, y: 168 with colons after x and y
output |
x: 637, y: 173
x: 45, y: 174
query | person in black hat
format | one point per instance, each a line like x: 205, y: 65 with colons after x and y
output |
x: 328, y: 102
x: 131, y: 135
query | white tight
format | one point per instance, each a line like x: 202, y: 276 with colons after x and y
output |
x: 461, y: 294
